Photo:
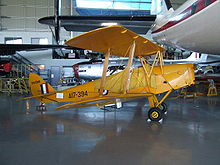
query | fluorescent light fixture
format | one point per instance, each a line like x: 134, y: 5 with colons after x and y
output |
x: 107, y: 4
x: 109, y: 24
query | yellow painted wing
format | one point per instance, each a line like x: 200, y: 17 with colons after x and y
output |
x: 116, y: 38
x: 82, y: 105
x: 100, y: 101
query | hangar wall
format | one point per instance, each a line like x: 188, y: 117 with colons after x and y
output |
x: 20, y: 18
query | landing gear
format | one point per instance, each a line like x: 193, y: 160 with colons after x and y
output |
x: 155, y: 114
x: 163, y: 107
x: 158, y: 108
x: 41, y: 108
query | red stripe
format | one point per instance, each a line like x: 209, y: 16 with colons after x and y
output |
x: 200, y: 5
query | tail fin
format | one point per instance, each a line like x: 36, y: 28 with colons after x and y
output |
x: 38, y: 86
x: 161, y: 7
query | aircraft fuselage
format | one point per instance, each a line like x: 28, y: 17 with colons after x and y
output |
x: 194, y: 26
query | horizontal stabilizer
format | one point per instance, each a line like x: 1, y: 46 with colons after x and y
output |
x: 38, y: 96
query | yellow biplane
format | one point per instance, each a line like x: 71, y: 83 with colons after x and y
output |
x: 145, y: 81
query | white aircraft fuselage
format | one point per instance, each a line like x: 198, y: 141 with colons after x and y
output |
x: 194, y: 26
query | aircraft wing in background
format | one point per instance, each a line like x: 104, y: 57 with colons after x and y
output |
x: 138, y: 24
x: 10, y: 49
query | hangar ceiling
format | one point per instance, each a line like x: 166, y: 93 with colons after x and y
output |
x: 23, y: 15
x: 136, y: 21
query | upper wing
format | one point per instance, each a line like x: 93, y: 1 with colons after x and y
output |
x: 117, y: 39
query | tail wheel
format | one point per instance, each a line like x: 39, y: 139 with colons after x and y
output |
x: 163, y: 107
x: 155, y: 114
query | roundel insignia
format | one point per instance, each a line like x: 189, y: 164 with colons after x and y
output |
x: 105, y: 92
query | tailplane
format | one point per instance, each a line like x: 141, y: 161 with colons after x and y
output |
x: 38, y: 86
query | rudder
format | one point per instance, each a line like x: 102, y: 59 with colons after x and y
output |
x: 38, y: 86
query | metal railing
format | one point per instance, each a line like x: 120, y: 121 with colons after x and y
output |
x: 14, y: 85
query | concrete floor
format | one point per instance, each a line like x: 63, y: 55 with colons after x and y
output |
x: 189, y: 135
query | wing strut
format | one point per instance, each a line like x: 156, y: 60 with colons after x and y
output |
x: 104, y: 71
x: 128, y: 68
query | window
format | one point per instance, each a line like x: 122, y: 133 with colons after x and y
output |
x: 13, y: 40
x: 115, y: 4
x: 41, y: 67
x: 41, y: 41
x: 207, y: 2
x: 193, y: 11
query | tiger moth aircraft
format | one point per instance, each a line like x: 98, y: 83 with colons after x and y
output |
x: 144, y: 81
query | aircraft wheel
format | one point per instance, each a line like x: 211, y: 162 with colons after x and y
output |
x: 163, y: 107
x: 155, y: 114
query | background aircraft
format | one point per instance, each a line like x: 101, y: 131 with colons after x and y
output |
x: 92, y: 70
x: 193, y: 26
x: 10, y: 49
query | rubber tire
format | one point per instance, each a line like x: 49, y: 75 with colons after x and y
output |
x: 163, y: 107
x: 155, y: 114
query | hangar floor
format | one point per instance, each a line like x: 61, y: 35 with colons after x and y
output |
x: 190, y: 134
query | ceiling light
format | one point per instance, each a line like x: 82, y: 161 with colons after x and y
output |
x: 109, y: 24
